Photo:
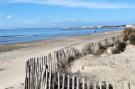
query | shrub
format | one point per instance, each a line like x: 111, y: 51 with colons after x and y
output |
x: 71, y: 59
x: 101, y: 49
x: 87, y: 49
x: 127, y: 33
x: 132, y: 39
x: 120, y: 47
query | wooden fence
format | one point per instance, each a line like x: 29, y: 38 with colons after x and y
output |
x: 51, y: 72
x: 44, y: 73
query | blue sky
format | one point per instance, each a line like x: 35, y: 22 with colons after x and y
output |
x: 53, y: 13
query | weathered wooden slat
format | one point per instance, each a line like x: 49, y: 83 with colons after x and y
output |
x: 50, y: 73
x: 46, y: 79
x: 68, y: 84
x: 100, y: 85
x: 107, y: 85
x: 73, y: 82
x: 83, y: 83
x: 26, y: 83
x: 63, y: 81
x: 78, y: 83
x: 58, y: 80
x: 29, y: 75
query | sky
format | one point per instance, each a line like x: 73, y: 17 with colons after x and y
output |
x: 57, y: 13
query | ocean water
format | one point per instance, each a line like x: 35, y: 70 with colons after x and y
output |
x: 11, y: 36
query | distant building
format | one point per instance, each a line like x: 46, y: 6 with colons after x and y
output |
x: 130, y: 26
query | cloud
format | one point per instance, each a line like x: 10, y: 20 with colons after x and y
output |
x: 6, y: 17
x: 9, y: 17
x: 90, y: 4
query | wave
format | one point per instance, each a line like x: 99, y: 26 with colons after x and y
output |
x: 11, y: 35
x: 23, y: 35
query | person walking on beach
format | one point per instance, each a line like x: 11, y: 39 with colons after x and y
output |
x: 95, y: 31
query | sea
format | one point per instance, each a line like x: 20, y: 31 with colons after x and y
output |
x: 12, y: 36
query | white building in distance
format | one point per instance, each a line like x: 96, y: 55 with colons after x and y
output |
x: 130, y: 26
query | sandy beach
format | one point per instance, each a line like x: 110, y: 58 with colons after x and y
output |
x: 67, y: 44
x: 13, y: 57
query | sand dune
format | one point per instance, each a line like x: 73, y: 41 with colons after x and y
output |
x: 116, y: 67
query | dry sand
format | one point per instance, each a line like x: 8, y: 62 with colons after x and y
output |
x: 13, y: 57
x: 108, y: 67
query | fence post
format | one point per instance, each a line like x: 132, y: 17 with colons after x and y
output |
x: 77, y: 83
x: 29, y: 75
x: 107, y: 85
x: 52, y: 63
x: 26, y: 79
x: 46, y: 79
x: 63, y: 84
x: 50, y: 79
x: 73, y: 82
x: 41, y: 78
x: 100, y: 85
x: 34, y: 71
x: 83, y: 84
x: 58, y: 80
x: 68, y: 84
x: 55, y: 64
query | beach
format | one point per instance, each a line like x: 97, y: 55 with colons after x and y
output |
x: 14, y: 57
x: 67, y: 44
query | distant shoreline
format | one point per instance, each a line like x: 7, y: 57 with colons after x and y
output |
x: 96, y: 27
